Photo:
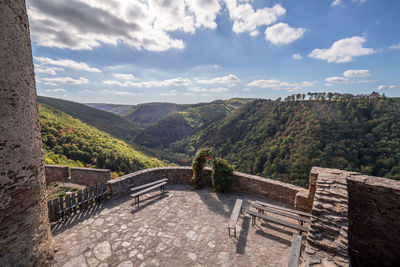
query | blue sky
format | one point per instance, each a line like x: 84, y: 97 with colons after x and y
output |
x: 188, y: 51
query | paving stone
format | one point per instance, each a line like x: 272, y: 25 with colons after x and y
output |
x: 125, y: 264
x: 103, y: 250
x: 78, y: 261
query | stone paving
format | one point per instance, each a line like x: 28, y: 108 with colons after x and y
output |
x: 183, y: 228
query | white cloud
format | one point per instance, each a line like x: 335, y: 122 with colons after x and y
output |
x: 282, y: 33
x: 337, y: 3
x: 115, y: 92
x: 307, y: 83
x: 124, y: 76
x: 356, y: 73
x: 65, y: 80
x: 66, y: 63
x: 395, y: 46
x: 149, y: 84
x: 205, y: 12
x: 329, y: 84
x: 208, y: 90
x: 343, y: 50
x: 280, y: 85
x: 56, y: 90
x: 143, y: 24
x: 246, y: 19
x: 297, y: 56
x: 336, y: 80
x: 384, y: 87
x: 231, y: 78
x: 47, y: 70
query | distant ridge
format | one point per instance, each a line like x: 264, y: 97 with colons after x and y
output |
x: 105, y: 121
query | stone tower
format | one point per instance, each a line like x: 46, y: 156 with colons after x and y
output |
x: 25, y: 237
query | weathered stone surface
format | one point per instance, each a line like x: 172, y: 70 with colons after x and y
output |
x: 327, y: 237
x: 56, y: 173
x: 89, y: 176
x: 374, y: 215
x: 25, y: 238
x: 184, y: 228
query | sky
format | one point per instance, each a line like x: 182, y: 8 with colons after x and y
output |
x: 189, y: 51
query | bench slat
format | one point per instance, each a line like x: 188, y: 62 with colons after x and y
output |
x: 149, y: 184
x: 284, y: 209
x: 278, y: 221
x: 292, y: 216
x: 235, y: 213
x: 148, y: 189
x: 295, y: 251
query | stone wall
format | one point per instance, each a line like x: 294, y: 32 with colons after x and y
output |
x: 327, y: 239
x: 374, y: 215
x: 251, y: 184
x: 25, y: 237
x: 55, y: 173
x: 89, y: 176
x: 354, y: 217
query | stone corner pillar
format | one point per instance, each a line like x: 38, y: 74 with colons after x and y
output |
x: 25, y: 237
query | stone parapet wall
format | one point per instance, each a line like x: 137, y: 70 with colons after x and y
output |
x: 374, y: 215
x: 255, y: 185
x: 89, y: 176
x: 55, y: 173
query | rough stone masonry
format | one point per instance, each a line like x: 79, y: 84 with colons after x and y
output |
x: 25, y: 238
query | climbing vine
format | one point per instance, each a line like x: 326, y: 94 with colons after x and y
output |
x: 198, y: 164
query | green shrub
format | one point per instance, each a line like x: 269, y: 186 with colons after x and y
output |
x: 198, y: 164
x: 222, y: 175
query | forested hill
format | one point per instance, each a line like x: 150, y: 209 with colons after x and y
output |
x: 168, y: 137
x: 147, y: 114
x: 69, y: 141
x: 283, y: 140
x: 105, y: 121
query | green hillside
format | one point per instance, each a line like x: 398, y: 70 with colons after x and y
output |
x: 105, y: 121
x: 69, y: 141
x: 168, y: 137
x: 283, y: 140
x: 149, y: 113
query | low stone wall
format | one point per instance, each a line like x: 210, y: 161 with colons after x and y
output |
x: 374, y: 215
x: 55, y: 173
x: 89, y: 176
x: 256, y: 185
x: 251, y: 184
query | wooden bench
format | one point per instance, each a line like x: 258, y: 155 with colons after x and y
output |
x: 235, y: 216
x: 301, y: 213
x: 142, y: 189
x: 254, y: 215
x: 294, y: 251
x: 301, y: 219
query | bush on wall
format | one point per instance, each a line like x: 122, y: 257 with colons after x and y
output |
x: 222, y: 175
x: 198, y: 164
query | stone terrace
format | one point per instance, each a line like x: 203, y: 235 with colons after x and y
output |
x: 183, y: 228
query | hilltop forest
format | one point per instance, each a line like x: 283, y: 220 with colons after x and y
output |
x: 279, y: 139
